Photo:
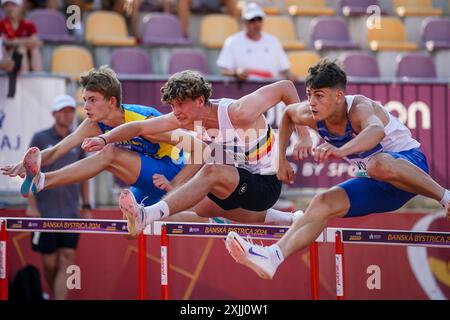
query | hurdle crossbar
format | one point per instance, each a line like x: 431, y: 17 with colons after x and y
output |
x: 389, y: 237
x: 339, y: 236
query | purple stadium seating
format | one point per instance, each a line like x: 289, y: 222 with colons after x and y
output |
x: 2, y: 14
x: 51, y: 26
x: 436, y: 33
x: 183, y: 59
x: 415, y: 65
x: 131, y: 61
x: 356, y: 7
x: 360, y: 64
x: 163, y: 29
x: 331, y: 33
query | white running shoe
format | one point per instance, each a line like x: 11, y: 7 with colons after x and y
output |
x: 134, y: 212
x: 253, y: 256
x: 32, y: 165
x: 297, y: 215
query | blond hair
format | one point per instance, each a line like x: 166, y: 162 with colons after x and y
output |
x: 103, y: 80
x: 184, y: 85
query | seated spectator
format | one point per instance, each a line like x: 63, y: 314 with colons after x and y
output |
x: 53, y: 4
x: 184, y: 12
x: 183, y: 8
x: 6, y: 64
x: 129, y: 8
x: 252, y: 53
x: 20, y: 36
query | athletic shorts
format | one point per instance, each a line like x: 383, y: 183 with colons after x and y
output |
x: 144, y: 188
x: 368, y: 195
x: 254, y: 192
x: 45, y: 242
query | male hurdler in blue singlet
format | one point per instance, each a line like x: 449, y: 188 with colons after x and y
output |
x: 390, y: 166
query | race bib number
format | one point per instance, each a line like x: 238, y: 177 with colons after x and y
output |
x: 360, y: 167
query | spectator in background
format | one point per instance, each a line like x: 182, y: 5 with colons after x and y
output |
x: 6, y: 64
x: 184, y: 12
x: 20, y: 35
x: 252, y: 53
x: 58, y: 249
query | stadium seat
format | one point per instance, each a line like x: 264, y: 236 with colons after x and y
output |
x: 330, y: 33
x: 391, y: 36
x: 184, y: 59
x: 409, y: 8
x: 301, y: 61
x: 107, y: 28
x: 360, y: 64
x: 283, y: 28
x: 72, y: 60
x: 308, y: 8
x: 415, y: 65
x: 130, y: 61
x: 163, y: 29
x: 435, y: 33
x: 51, y: 26
x: 356, y: 7
x: 215, y: 28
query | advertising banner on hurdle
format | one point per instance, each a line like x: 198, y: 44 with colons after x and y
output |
x: 22, y: 116
x: 67, y: 225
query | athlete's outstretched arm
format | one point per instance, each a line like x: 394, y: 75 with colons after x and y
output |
x: 86, y: 129
x: 130, y: 130
x: 249, y: 108
x: 293, y: 118
x: 187, y: 141
x: 372, y: 130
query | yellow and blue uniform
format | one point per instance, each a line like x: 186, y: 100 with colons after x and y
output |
x: 162, y: 158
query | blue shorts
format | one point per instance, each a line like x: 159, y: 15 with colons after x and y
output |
x: 144, y: 187
x: 368, y: 195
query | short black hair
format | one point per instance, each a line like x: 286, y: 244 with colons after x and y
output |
x: 326, y: 74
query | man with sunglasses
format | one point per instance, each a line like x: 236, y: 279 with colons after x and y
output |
x: 252, y: 53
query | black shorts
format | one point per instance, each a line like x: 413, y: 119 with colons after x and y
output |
x: 45, y: 242
x: 254, y: 192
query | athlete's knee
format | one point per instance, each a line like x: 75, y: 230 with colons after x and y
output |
x: 210, y: 171
x: 108, y: 153
x: 322, y: 207
x: 381, y: 168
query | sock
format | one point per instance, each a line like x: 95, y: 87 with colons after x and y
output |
x: 40, y: 180
x: 446, y: 198
x: 275, y: 254
x: 156, y: 212
x: 278, y: 217
x: 220, y: 220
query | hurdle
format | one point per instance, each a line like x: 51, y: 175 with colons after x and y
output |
x: 213, y: 230
x: 98, y: 226
x: 163, y: 229
x: 338, y: 236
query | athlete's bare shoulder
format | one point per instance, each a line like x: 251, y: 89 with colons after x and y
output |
x: 301, y: 114
x: 363, y: 107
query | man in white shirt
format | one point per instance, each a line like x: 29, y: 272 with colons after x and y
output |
x: 252, y: 53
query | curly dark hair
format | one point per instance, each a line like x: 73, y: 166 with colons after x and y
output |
x: 103, y: 80
x: 326, y: 74
x: 184, y: 85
